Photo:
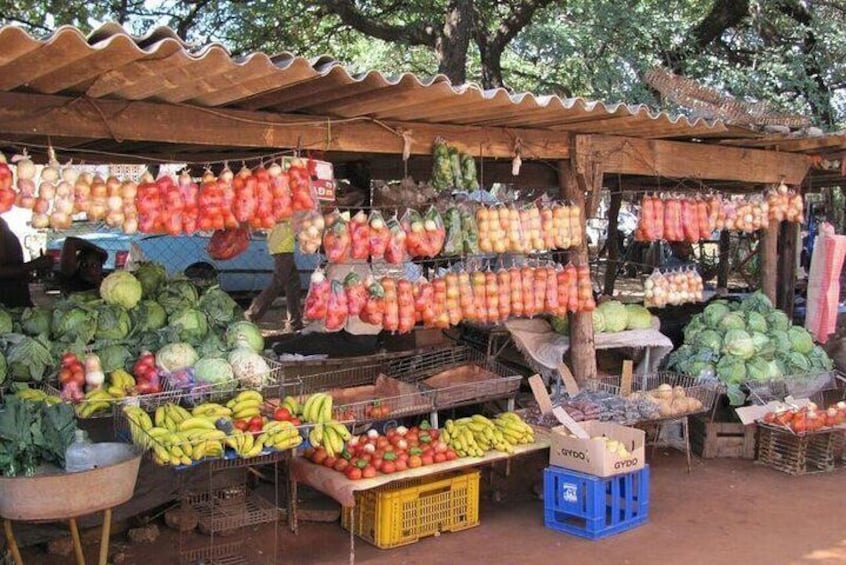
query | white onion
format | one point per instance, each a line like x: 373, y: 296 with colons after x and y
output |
x: 25, y: 169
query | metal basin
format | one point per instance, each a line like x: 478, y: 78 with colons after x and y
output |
x: 61, y: 496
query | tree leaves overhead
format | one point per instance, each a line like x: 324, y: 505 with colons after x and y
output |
x: 788, y: 52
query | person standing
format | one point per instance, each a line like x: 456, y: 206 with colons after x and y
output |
x: 81, y: 265
x: 280, y: 244
x: 14, y: 272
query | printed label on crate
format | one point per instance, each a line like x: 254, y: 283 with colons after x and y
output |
x: 609, y: 450
x: 570, y: 492
x: 627, y: 464
x: 575, y: 454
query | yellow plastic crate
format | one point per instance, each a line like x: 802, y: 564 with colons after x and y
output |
x: 403, y: 512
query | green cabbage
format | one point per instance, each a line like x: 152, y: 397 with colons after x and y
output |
x: 800, y: 339
x: 731, y: 370
x: 175, y: 356
x: 714, y: 313
x: 561, y: 324
x: 756, y: 322
x: 638, y: 317
x: 733, y: 321
x: 121, y: 288
x: 693, y: 328
x: 708, y: 339
x: 757, y: 302
x: 249, y: 367
x: 245, y: 334
x: 795, y: 363
x: 775, y: 369
x: 780, y: 340
x: 191, y: 325
x: 739, y: 344
x: 28, y: 358
x: 820, y: 360
x: 3, y: 368
x: 112, y: 322
x: 148, y: 316
x: 614, y: 315
x: 36, y: 321
x: 213, y: 371
x: 113, y: 357
x: 680, y: 359
x: 5, y: 322
x: 763, y: 346
x: 72, y: 323
x: 757, y: 369
x: 598, y: 321
x: 212, y: 346
x: 178, y: 295
x: 219, y: 307
x: 778, y: 320
x: 152, y: 277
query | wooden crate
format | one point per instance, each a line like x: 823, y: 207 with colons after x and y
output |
x: 815, y: 452
x: 712, y: 440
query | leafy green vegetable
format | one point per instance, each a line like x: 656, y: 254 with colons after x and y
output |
x: 757, y: 302
x: 148, y: 316
x: 36, y: 321
x: 178, y: 295
x: 561, y: 325
x: 112, y: 322
x: 739, y: 344
x: 121, y: 288
x: 5, y: 322
x: 3, y: 368
x: 212, y: 346
x: 245, y: 334
x: 33, y: 433
x: 191, y: 325
x: 219, y: 307
x: 114, y: 357
x: 714, y: 313
x: 733, y: 321
x: 709, y: 339
x: 731, y: 370
x: 29, y: 358
x: 695, y: 326
x: 756, y: 322
x: 764, y: 348
x: 778, y: 320
x: 152, y: 277
x: 615, y: 314
x: 598, y: 321
x: 175, y: 356
x: 757, y: 369
x: 72, y: 322
x: 800, y: 339
x: 637, y: 317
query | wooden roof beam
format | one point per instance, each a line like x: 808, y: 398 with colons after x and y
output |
x: 60, y: 116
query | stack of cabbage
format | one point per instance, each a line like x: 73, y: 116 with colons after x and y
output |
x: 611, y: 317
x: 130, y: 314
x: 746, y: 341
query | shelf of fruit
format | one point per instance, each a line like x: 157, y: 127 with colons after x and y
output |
x: 236, y: 429
x: 372, y: 459
x: 806, y: 419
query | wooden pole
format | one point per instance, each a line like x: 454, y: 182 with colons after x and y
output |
x: 786, y: 283
x: 724, y: 260
x: 582, y: 349
x: 768, y: 260
x: 613, y: 250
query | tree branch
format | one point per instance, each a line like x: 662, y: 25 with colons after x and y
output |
x: 724, y: 14
x: 420, y: 34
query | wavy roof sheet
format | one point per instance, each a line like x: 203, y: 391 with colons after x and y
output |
x: 110, y: 63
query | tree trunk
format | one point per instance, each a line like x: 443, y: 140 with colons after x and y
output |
x: 768, y: 260
x: 611, y: 242
x: 452, y: 44
x: 491, y: 68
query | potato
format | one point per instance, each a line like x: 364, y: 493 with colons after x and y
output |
x: 678, y: 392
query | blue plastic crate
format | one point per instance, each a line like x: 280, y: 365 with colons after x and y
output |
x: 594, y: 507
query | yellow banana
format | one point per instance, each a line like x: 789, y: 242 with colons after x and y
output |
x: 249, y: 395
x: 194, y: 423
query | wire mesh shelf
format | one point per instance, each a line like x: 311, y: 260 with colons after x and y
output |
x: 271, y: 384
x: 228, y: 553
x: 231, y: 507
x: 806, y: 385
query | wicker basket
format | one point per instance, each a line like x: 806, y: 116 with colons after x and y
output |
x: 814, y: 452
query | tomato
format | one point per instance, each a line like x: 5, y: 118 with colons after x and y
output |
x: 78, y: 376
x: 65, y: 375
x: 295, y: 421
x: 376, y: 462
x: 382, y: 442
x: 402, y: 456
x: 369, y: 472
x: 411, y: 436
x: 353, y: 473
x: 415, y: 461
x: 401, y: 465
x: 439, y: 458
x: 341, y: 465
x: 388, y: 467
x: 309, y: 453
x: 427, y: 459
x: 319, y: 456
x: 451, y: 455
x: 329, y: 461
x: 68, y: 358
x: 242, y: 425
x: 282, y: 414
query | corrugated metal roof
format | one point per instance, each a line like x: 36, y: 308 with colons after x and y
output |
x: 110, y: 63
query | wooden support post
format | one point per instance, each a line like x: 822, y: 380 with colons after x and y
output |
x: 786, y: 284
x: 724, y: 265
x: 613, y: 248
x: 768, y: 260
x: 582, y: 349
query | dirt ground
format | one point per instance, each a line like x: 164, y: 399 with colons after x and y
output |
x: 725, y: 511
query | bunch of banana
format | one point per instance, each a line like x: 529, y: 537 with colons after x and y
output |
x: 96, y: 400
x: 244, y: 443
x: 292, y: 404
x: 211, y: 410
x: 37, y: 395
x: 514, y: 429
x: 331, y: 435
x: 279, y: 435
x: 170, y: 416
x: 121, y: 383
x: 139, y: 423
x: 186, y: 446
x: 246, y: 404
x: 465, y: 440
x: 318, y: 408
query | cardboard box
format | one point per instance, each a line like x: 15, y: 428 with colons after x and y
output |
x: 591, y: 455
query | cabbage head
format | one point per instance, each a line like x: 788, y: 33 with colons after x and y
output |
x: 178, y: 295
x: 709, y: 339
x: 757, y: 369
x: 757, y: 302
x: 561, y: 324
x: 175, y: 356
x: 245, y: 334
x: 693, y: 328
x: 679, y: 359
x: 213, y: 371
x: 820, y: 360
x: 638, y: 317
x: 738, y: 343
x: 36, y: 321
x: 5, y: 322
x: 112, y: 322
x: 756, y: 322
x: 152, y: 277
x: 148, y: 316
x: 733, y: 321
x: 714, y: 313
x: 191, y: 325
x: 775, y: 369
x: 616, y: 317
x: 212, y: 346
x: 731, y: 370
x: 74, y: 323
x: 796, y: 363
x: 121, y: 288
x: 780, y: 340
x: 219, y: 307
x: 701, y: 369
x: 113, y: 357
x: 4, y: 368
x: 249, y: 367
x: 800, y: 339
x: 598, y: 321
x: 778, y: 320
x: 763, y: 346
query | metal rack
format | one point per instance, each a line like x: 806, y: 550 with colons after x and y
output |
x: 808, y: 385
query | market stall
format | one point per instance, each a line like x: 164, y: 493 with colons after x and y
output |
x: 207, y: 396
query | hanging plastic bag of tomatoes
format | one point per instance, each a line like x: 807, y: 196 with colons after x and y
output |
x: 336, y: 238
x: 280, y: 190
x: 303, y: 197
x: 374, y: 309
x: 337, y: 310
x: 359, y: 236
x: 228, y: 244
x: 317, y: 299
x: 356, y: 293
x: 391, y: 320
x: 396, y: 252
x: 424, y: 302
x: 405, y: 306
x: 379, y: 235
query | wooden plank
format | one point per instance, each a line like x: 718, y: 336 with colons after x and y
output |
x: 613, y: 250
x: 184, y: 77
x: 152, y: 122
x: 626, y: 378
x: 768, y: 250
x: 786, y: 283
x: 257, y: 92
x: 582, y: 348
x: 540, y: 394
x: 570, y: 384
x: 674, y: 159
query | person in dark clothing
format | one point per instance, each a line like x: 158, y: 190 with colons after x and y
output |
x: 81, y: 265
x: 14, y: 272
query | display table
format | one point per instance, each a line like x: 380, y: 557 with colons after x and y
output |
x: 337, y: 486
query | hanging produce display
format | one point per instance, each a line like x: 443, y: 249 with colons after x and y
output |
x: 452, y: 169
x: 484, y: 297
x: 678, y: 286
x: 528, y: 228
x: 785, y: 204
x: 744, y: 342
